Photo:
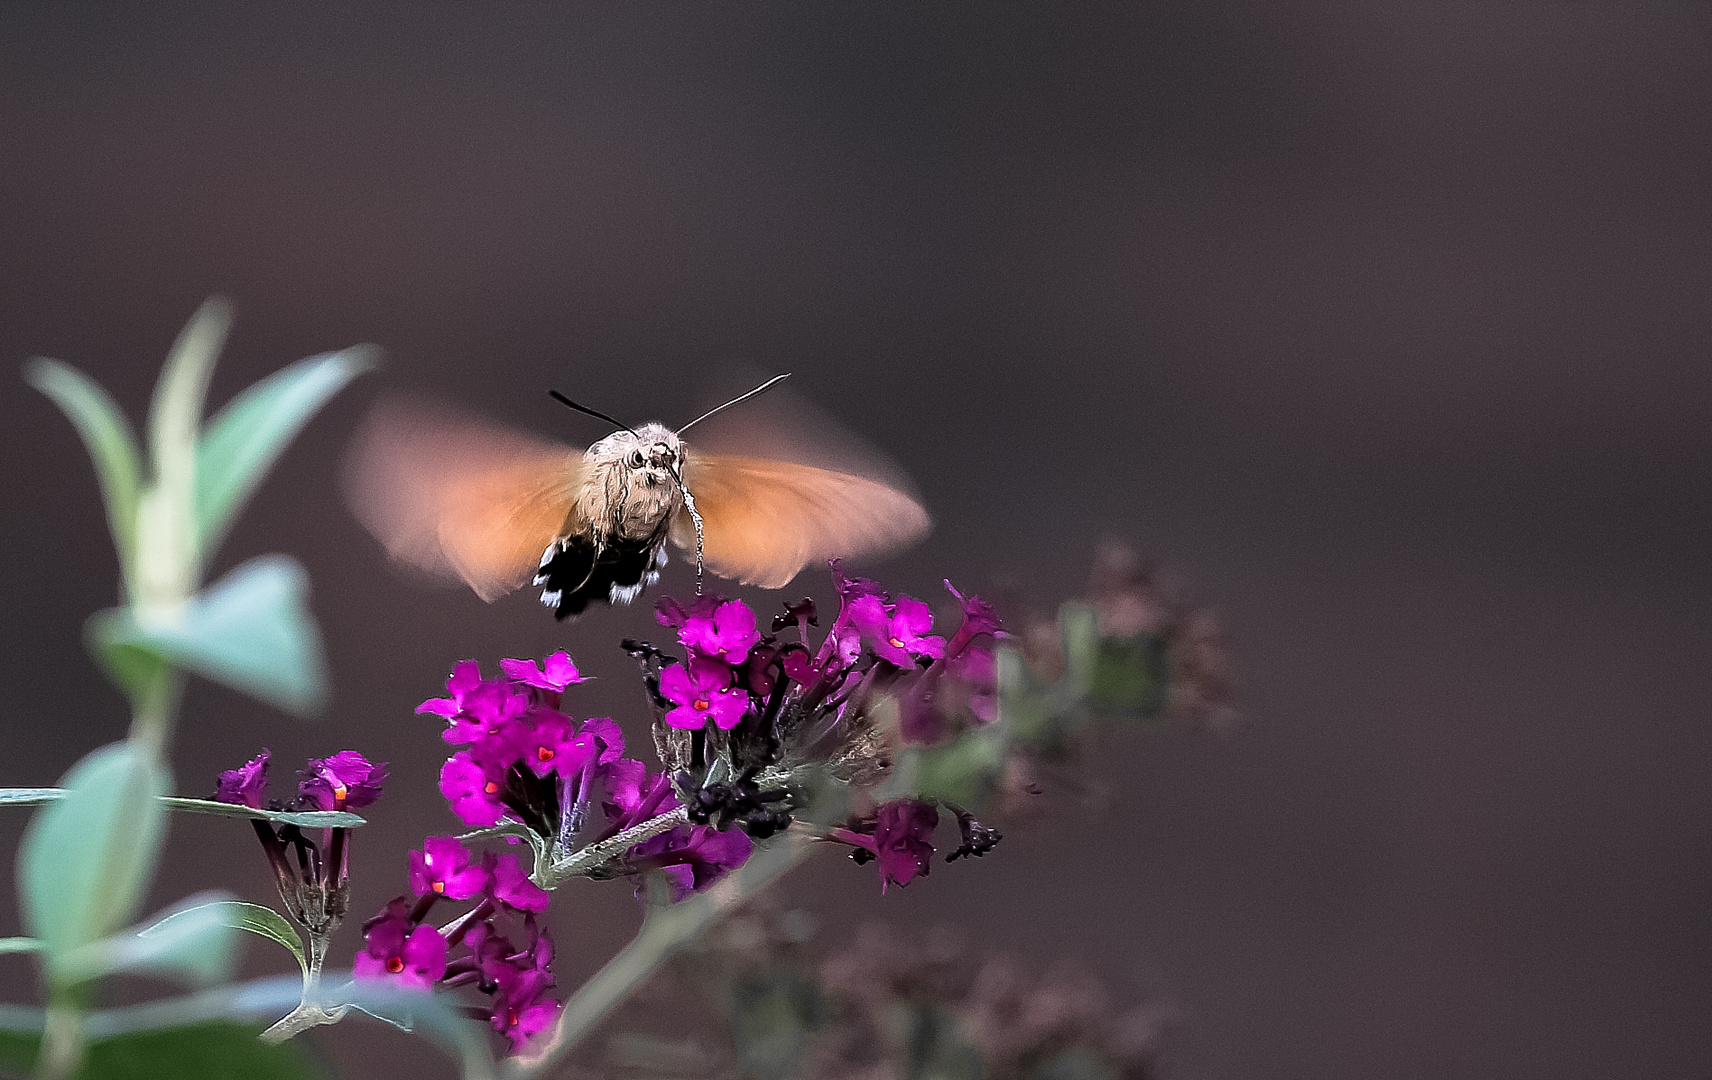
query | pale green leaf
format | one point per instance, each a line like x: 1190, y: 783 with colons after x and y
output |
x: 86, y: 859
x: 168, y: 557
x: 108, y: 437
x: 1132, y: 675
x: 195, y: 941
x: 235, y: 915
x: 251, y: 630
x: 29, y: 796
x: 305, y: 819
x: 19, y: 944
x: 1079, y: 627
x: 244, y: 439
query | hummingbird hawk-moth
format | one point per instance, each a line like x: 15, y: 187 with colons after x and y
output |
x: 498, y: 509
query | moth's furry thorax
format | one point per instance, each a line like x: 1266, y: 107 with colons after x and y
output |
x: 631, y: 481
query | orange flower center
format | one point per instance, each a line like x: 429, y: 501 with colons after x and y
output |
x: 395, y: 965
x: 439, y: 886
x: 896, y: 644
x: 544, y: 753
x: 490, y: 787
x: 699, y: 704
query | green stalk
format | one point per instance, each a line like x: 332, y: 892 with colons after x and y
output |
x: 62, y: 1037
x: 153, y: 709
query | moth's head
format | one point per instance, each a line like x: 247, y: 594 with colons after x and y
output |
x: 651, y: 453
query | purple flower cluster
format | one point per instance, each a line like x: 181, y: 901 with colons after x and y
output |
x: 524, y: 763
x: 764, y: 705
x: 690, y: 858
x: 733, y: 672
x: 523, y: 758
x: 507, y: 955
x: 527, y: 761
x: 313, y: 884
x: 345, y: 781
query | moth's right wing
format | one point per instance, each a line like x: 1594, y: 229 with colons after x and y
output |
x: 766, y: 520
x: 459, y: 497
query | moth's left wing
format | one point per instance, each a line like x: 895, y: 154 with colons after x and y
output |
x: 460, y: 497
x: 764, y: 520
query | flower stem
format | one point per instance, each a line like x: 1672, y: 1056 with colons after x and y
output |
x: 666, y: 929
x: 595, y: 854
x: 62, y: 1038
x: 152, y: 709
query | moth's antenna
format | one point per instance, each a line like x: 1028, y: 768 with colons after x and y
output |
x: 733, y: 401
x: 567, y: 402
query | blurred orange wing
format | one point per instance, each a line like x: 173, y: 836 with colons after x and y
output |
x: 458, y: 497
x: 763, y: 521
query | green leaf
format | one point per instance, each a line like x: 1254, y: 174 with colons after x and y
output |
x: 245, y: 438
x: 86, y: 858
x: 251, y: 630
x: 29, y: 796
x: 1131, y: 674
x: 210, y: 1051
x: 962, y: 771
x: 195, y: 941
x: 19, y: 944
x: 107, y: 435
x: 168, y: 558
x: 236, y: 915
x: 1079, y: 628
x: 305, y: 819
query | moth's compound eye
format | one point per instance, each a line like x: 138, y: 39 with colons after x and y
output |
x: 634, y: 460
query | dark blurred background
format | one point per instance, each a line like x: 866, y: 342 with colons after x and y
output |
x: 1383, y: 325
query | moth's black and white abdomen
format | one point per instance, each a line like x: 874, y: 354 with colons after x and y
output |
x: 576, y: 571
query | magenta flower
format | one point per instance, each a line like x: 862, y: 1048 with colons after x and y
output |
x: 550, y: 743
x: 520, y: 1012
x: 692, y: 858
x: 900, y: 837
x: 727, y: 632
x: 444, y: 868
x: 499, y: 963
x: 702, y: 691
x: 851, y: 589
x: 465, y: 677
x: 414, y: 958
x: 554, y: 673
x: 903, y: 840
x: 510, y: 885
x: 978, y: 618
x: 246, y: 784
x: 977, y: 668
x: 899, y: 633
x: 668, y: 612
x: 634, y: 797
x: 554, y: 744
x: 490, y: 712
x: 345, y: 781
x: 474, y: 794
